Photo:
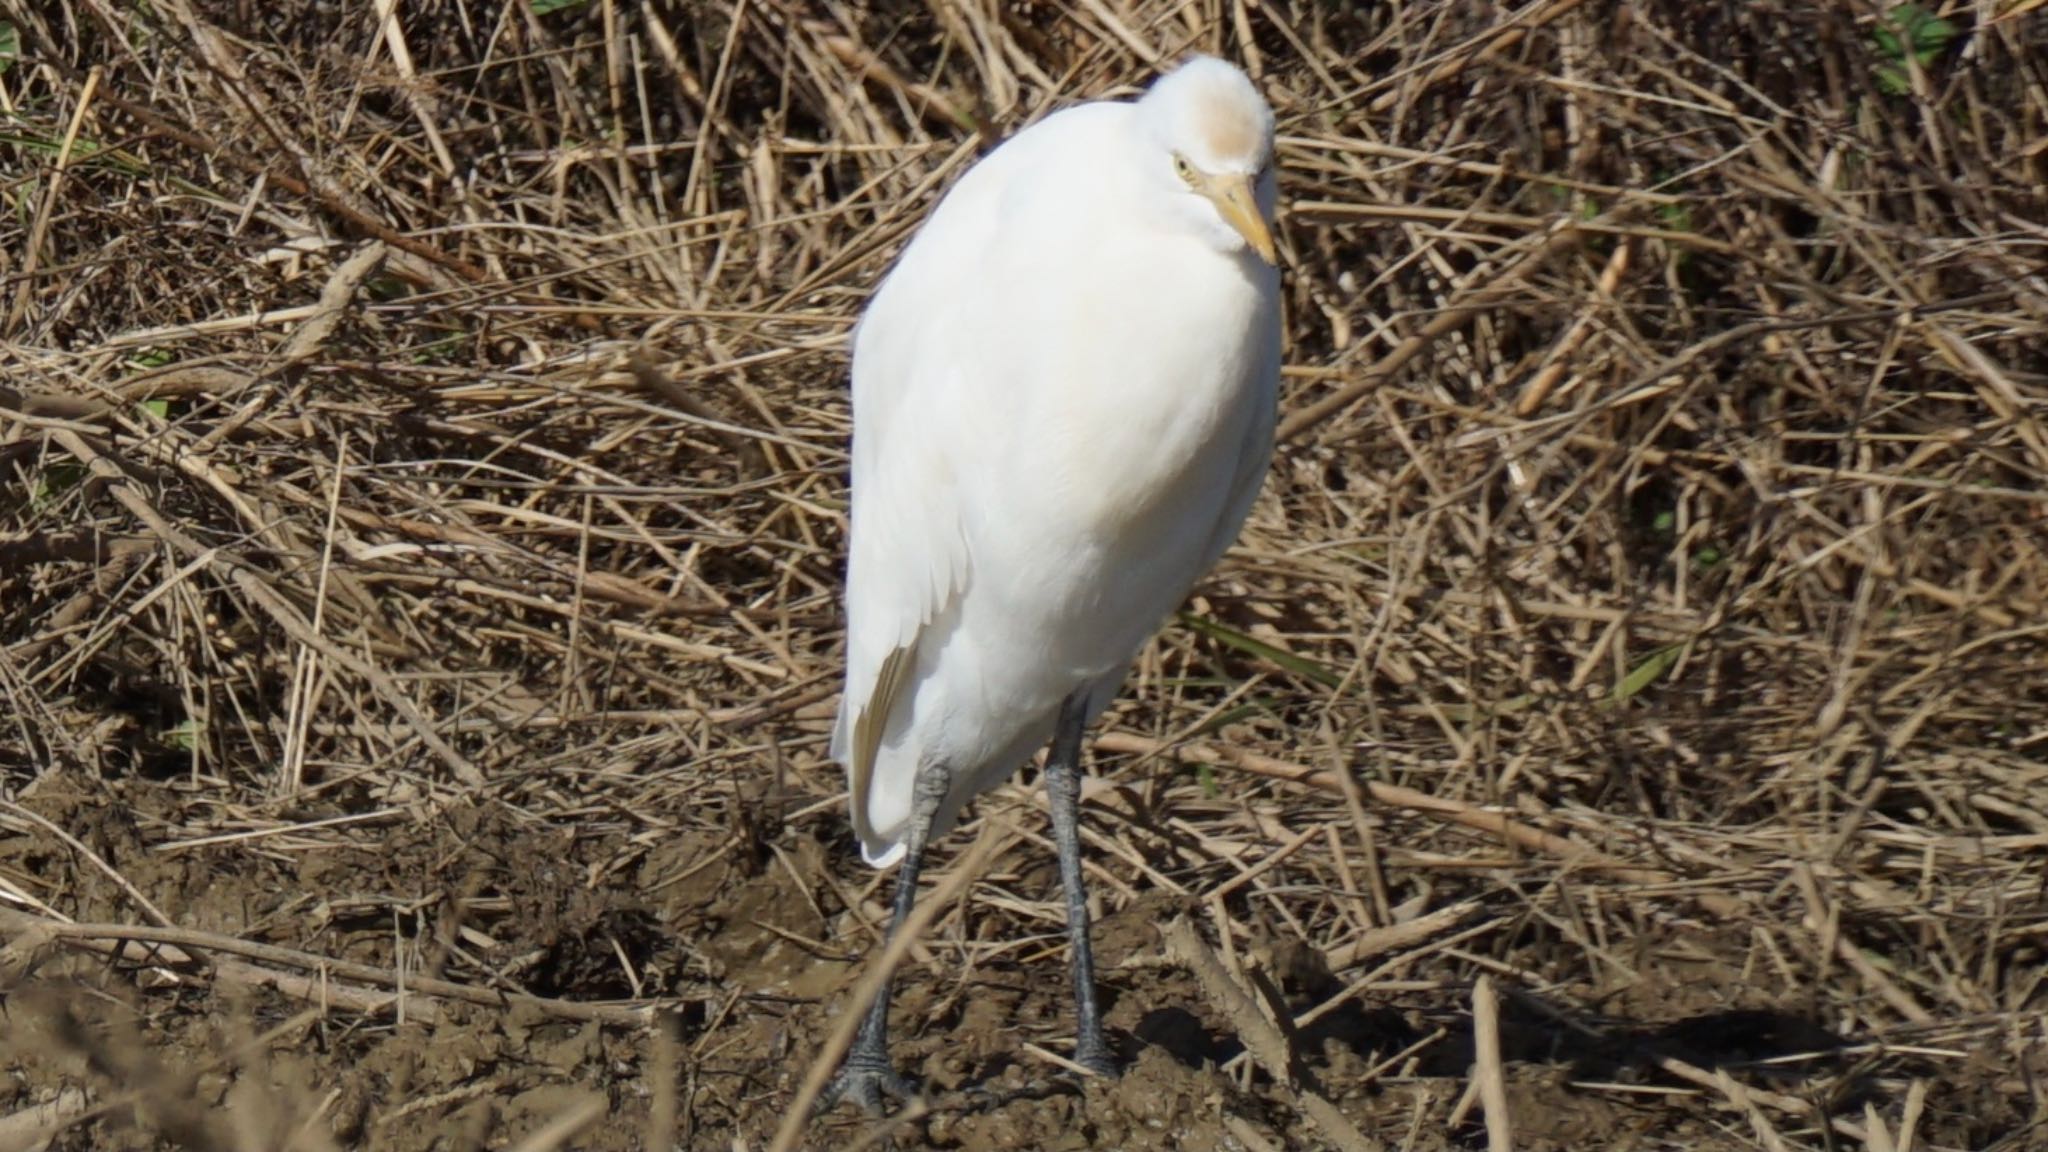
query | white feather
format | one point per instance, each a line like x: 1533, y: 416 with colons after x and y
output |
x: 1063, y: 401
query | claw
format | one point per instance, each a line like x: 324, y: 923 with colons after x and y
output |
x: 867, y: 1084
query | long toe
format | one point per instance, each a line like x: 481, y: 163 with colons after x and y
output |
x: 867, y: 1084
x: 1097, y: 1059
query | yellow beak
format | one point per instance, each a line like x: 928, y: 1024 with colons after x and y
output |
x: 1240, y: 209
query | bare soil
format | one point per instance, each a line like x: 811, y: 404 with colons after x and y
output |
x: 745, y: 944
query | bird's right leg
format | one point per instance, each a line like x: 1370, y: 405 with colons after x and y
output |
x: 1063, y: 788
x: 867, y: 1076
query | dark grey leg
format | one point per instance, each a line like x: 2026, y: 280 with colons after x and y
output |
x: 868, y: 1077
x: 1063, y: 788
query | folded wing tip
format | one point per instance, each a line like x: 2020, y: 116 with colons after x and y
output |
x: 890, y: 852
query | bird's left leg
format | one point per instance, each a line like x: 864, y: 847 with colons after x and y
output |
x: 1063, y: 789
x: 868, y: 1076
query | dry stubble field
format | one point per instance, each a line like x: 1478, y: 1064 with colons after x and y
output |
x: 424, y: 442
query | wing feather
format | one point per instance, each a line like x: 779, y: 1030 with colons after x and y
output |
x: 906, y: 564
x: 907, y: 559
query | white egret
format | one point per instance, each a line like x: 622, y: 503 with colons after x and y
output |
x: 1063, y: 405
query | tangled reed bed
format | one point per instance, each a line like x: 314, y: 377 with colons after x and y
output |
x: 424, y: 445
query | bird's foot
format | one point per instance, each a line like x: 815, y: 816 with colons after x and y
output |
x: 867, y: 1083
x: 1096, y: 1059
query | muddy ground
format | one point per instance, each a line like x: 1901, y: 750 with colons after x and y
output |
x: 745, y: 942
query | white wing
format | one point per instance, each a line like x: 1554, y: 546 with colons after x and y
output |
x: 907, y: 559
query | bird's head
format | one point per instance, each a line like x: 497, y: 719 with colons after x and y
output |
x: 1213, y: 137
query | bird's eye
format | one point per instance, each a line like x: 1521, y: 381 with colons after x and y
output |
x: 1183, y: 169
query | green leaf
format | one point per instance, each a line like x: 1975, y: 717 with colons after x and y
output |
x: 185, y: 736
x: 543, y: 7
x: 1664, y: 521
x: 1301, y: 666
x: 1926, y: 33
x: 55, y: 481
x: 1908, y: 28
x: 10, y: 46
x: 385, y: 288
x: 1205, y: 775
x: 161, y: 409
x: 442, y: 349
x: 1647, y: 673
x: 1228, y: 717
